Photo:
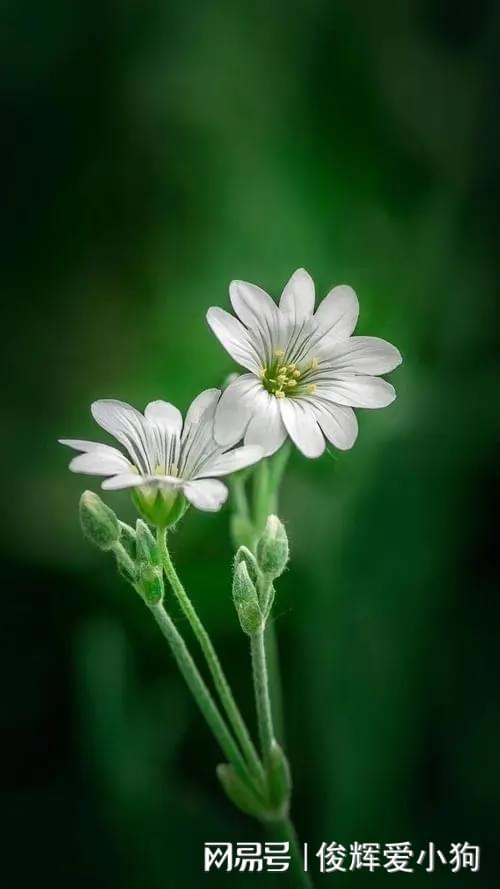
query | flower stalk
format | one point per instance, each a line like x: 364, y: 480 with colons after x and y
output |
x: 199, y: 690
x: 221, y: 684
x: 262, y: 699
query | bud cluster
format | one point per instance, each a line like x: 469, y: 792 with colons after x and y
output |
x: 136, y: 550
x: 253, y: 591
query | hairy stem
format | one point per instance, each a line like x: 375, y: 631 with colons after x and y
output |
x: 221, y: 684
x: 261, y: 689
x: 199, y: 690
x: 297, y: 876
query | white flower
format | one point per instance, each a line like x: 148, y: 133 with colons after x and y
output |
x: 306, y: 371
x: 165, y: 456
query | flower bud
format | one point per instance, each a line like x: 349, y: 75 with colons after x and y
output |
x: 125, y: 567
x: 243, y: 554
x: 98, y: 522
x: 246, y: 600
x: 272, y: 548
x: 127, y: 539
x: 145, y: 544
x: 150, y: 582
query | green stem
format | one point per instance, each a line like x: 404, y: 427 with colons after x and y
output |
x: 297, y: 876
x: 199, y: 690
x: 123, y: 557
x: 262, y: 497
x: 221, y: 684
x: 261, y: 689
x: 239, y: 496
x: 275, y: 690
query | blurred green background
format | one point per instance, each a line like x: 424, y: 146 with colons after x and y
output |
x: 151, y: 153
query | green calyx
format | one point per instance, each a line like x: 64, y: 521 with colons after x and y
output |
x: 160, y: 505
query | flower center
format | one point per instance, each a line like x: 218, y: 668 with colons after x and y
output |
x: 161, y: 470
x: 281, y: 379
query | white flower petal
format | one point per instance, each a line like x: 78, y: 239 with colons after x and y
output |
x: 164, y: 415
x: 255, y: 307
x: 234, y: 337
x: 297, y: 299
x: 231, y: 461
x: 337, y: 314
x: 363, y: 355
x: 164, y: 425
x: 339, y: 424
x: 197, y: 442
x: 199, y: 447
x: 79, y: 444
x: 266, y: 428
x: 302, y: 426
x: 201, y: 409
x: 128, y: 426
x: 356, y: 391
x: 208, y: 493
x: 126, y: 480
x: 100, y: 461
x: 235, y: 408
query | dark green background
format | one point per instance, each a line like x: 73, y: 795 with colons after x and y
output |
x: 152, y: 152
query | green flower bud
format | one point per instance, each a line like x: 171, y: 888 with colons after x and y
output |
x: 124, y: 568
x: 161, y: 506
x: 243, y: 554
x: 145, y: 544
x: 272, y: 548
x: 98, y: 522
x: 150, y: 583
x: 246, y: 600
x: 127, y: 539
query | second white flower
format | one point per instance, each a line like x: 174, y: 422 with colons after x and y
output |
x: 306, y: 370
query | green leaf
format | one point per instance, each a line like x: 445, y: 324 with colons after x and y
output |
x: 240, y: 794
x: 279, y: 779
